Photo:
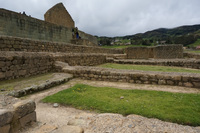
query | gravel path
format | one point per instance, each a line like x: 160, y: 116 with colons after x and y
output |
x: 51, y: 119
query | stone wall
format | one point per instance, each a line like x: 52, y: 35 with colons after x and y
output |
x: 130, y: 76
x: 139, y: 52
x: 19, y: 25
x: 159, y: 52
x: 80, y: 59
x: 22, y: 114
x: 191, y: 55
x: 24, y: 64
x: 22, y: 44
x: 21, y: 64
x: 191, y: 63
x: 59, y: 15
x: 89, y: 37
x: 169, y: 51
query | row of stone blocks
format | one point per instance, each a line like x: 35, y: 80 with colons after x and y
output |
x: 22, y: 114
x: 139, y: 77
x: 185, y: 63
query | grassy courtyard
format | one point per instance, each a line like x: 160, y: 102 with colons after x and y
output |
x: 149, y: 68
x: 173, y: 107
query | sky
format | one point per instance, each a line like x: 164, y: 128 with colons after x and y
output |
x: 116, y: 17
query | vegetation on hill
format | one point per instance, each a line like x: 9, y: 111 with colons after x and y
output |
x: 185, y: 35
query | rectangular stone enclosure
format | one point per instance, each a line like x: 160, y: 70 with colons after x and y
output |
x: 158, y: 52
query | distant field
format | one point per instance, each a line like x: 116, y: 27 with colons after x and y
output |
x: 149, y: 68
x: 193, y: 51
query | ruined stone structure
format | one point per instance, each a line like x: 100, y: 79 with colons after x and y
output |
x: 23, y: 113
x: 158, y: 52
x: 57, y: 27
x: 29, y: 46
x: 59, y: 15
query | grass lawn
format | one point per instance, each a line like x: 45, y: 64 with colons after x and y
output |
x: 193, y: 51
x: 173, y: 107
x: 149, y: 68
x: 123, y: 46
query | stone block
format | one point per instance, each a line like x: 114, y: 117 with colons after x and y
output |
x: 170, y: 82
x: 161, y: 82
x: 188, y: 84
x: 24, y: 121
x: 5, y: 129
x: 5, y: 117
x: 2, y: 75
x: 23, y: 108
x: 196, y: 84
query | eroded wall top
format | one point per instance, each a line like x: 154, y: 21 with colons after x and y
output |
x: 59, y: 15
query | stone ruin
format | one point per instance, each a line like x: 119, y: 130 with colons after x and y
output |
x: 29, y: 46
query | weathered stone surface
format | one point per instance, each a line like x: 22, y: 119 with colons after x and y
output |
x: 24, y: 121
x: 76, y: 122
x: 23, y: 108
x: 69, y: 129
x: 59, y: 15
x: 5, y: 117
x: 5, y: 129
x: 188, y: 84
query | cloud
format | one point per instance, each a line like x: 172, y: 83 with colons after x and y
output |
x: 116, y: 17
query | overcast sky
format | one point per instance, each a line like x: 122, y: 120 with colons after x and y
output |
x: 116, y: 17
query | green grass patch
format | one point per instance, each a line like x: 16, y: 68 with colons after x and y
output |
x: 122, y: 46
x: 193, y: 51
x: 149, y: 68
x: 21, y: 83
x: 197, y: 43
x: 173, y: 107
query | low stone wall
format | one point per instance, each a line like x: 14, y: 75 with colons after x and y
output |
x: 186, y: 63
x: 22, y: 114
x: 21, y: 44
x: 80, y: 59
x: 139, y: 52
x: 159, y: 52
x: 191, y: 55
x: 169, y: 51
x: 138, y: 77
x: 22, y: 64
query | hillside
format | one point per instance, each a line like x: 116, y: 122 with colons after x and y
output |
x: 180, y: 35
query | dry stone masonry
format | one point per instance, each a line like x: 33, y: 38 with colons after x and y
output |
x: 21, y: 115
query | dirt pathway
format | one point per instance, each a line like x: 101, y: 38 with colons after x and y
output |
x: 51, y: 119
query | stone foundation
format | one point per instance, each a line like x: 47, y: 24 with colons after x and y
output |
x: 131, y: 76
x: 22, y: 114
x: 8, y: 43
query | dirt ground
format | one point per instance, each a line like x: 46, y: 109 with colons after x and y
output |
x: 51, y: 119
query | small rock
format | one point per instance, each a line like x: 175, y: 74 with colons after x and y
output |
x: 122, y: 97
x: 55, y: 105
x: 2, y: 89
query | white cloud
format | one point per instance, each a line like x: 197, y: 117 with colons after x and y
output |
x: 116, y: 17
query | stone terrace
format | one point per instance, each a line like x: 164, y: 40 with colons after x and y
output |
x: 131, y: 76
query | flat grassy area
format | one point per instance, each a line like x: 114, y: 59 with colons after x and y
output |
x: 149, y: 68
x: 173, y: 107
x: 123, y: 46
x: 21, y: 83
x: 193, y: 51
